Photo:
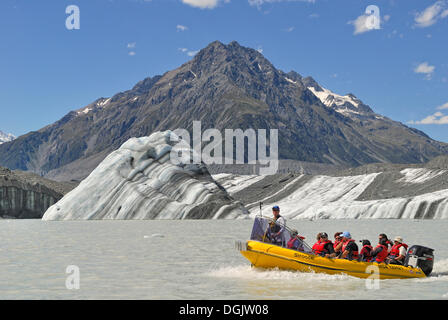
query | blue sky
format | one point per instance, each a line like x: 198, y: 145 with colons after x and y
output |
x: 46, y: 70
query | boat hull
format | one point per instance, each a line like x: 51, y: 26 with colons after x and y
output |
x: 266, y: 255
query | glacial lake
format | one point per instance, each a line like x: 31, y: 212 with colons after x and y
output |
x: 192, y: 259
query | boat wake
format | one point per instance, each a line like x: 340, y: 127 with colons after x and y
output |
x: 282, y: 284
x: 248, y: 273
x: 439, y: 272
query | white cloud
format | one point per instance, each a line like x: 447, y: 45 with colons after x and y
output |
x: 426, y: 69
x: 435, y: 118
x: 431, y: 14
x: 131, y: 46
x: 443, y: 106
x: 192, y: 53
x: 202, y: 4
x: 364, y: 23
x: 290, y: 29
x: 360, y: 25
x: 371, y: 20
x: 189, y: 53
x: 180, y: 27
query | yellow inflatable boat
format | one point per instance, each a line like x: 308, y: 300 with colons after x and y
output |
x: 261, y: 253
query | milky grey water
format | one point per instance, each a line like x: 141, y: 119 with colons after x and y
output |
x: 191, y: 260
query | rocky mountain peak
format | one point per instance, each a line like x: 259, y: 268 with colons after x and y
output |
x: 225, y: 58
x: 310, y: 82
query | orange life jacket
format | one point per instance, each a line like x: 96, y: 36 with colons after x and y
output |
x: 395, y: 251
x: 366, y: 253
x: 319, y: 247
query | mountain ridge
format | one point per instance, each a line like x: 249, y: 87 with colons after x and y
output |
x: 223, y: 86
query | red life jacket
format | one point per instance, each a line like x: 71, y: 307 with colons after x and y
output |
x: 389, y: 245
x: 354, y: 254
x: 319, y: 247
x: 291, y: 242
x: 380, y: 257
x: 395, y: 251
x: 366, y: 253
x: 336, y: 244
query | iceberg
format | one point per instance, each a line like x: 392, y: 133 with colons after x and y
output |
x: 138, y: 181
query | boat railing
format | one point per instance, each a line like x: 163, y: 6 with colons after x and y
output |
x: 265, y: 228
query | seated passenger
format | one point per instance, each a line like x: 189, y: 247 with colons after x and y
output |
x: 366, y: 252
x: 337, y: 243
x: 323, y: 246
x: 388, y: 242
x: 398, y: 251
x: 296, y: 242
x: 349, y: 247
x: 379, y: 254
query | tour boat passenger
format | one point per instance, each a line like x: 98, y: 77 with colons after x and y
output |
x: 365, y: 254
x: 323, y: 246
x: 379, y: 254
x: 349, y: 247
x: 398, y: 251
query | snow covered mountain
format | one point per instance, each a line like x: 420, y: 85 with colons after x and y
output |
x: 6, y: 137
x: 398, y: 193
x: 138, y: 181
x: 347, y: 105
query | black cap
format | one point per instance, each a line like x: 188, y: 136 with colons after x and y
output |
x: 365, y: 242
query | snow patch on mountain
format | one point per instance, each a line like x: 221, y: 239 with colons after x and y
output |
x: 100, y: 103
x: 330, y: 98
x: 291, y: 81
x: 6, y: 137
